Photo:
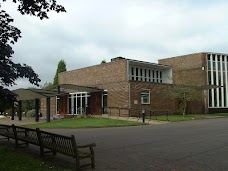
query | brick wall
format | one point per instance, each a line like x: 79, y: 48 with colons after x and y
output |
x: 117, y: 94
x: 43, y: 108
x: 159, y: 99
x: 115, y: 71
x: 189, y: 70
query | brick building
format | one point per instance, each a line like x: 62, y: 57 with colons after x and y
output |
x: 130, y: 83
x: 203, y: 69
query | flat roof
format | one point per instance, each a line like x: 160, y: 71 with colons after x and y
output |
x: 70, y: 88
x: 178, y: 56
x: 155, y: 65
x: 31, y: 94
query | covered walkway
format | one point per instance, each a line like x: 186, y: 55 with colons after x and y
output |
x: 37, y: 94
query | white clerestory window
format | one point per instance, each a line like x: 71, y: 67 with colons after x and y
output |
x: 145, y: 96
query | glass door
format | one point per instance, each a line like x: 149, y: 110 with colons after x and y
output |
x: 78, y: 102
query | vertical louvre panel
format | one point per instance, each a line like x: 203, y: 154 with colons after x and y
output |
x: 218, y: 75
x: 212, y: 81
x: 221, y: 82
x: 217, y: 81
x: 226, y: 80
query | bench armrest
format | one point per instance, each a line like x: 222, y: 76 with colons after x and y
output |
x: 88, y: 145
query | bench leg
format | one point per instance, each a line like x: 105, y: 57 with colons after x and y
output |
x: 41, y: 151
x: 54, y: 152
x: 92, y: 158
x: 93, y: 162
x: 78, y: 165
x: 16, y: 143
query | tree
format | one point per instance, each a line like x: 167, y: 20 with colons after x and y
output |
x: 103, y: 61
x: 61, y: 68
x: 28, y: 105
x: 47, y: 86
x: 9, y: 35
x: 185, y: 94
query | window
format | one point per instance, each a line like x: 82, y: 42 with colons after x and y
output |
x: 160, y: 77
x: 141, y: 72
x: 137, y: 74
x: 145, y: 97
x: 132, y: 73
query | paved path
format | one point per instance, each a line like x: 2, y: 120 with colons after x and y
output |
x: 135, y: 119
x: 24, y: 121
x: 191, y: 145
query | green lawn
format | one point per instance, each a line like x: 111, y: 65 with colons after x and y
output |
x: 85, y: 123
x: 175, y: 118
x: 12, y: 160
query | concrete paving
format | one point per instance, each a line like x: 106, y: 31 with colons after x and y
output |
x: 134, y: 119
x: 24, y: 121
x: 190, y: 145
x: 180, y: 146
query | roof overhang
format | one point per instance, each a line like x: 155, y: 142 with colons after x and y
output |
x: 70, y: 88
x: 187, y: 88
x: 149, y: 65
x: 31, y: 94
x: 65, y: 89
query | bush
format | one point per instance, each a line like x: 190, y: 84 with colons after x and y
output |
x: 8, y: 112
x: 30, y: 113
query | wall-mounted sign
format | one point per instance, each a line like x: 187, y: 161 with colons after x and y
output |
x: 135, y: 101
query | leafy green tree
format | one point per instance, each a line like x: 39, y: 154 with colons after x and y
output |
x: 103, y: 61
x: 186, y: 90
x: 5, y: 103
x: 185, y: 94
x: 9, y: 35
x: 28, y: 105
x: 61, y: 68
x: 47, y: 86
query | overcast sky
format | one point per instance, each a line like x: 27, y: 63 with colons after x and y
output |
x: 94, y: 30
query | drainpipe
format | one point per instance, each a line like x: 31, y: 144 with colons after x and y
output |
x: 48, y: 117
x: 129, y: 93
x: 12, y: 114
x: 20, y: 110
x: 36, y: 110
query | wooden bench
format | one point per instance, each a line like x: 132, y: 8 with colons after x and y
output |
x: 66, y: 145
x: 50, y: 142
x: 26, y: 135
x: 7, y: 131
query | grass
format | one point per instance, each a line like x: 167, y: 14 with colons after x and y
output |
x: 175, y: 118
x: 12, y: 160
x: 85, y: 123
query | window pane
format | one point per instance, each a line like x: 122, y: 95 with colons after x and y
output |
x: 145, y: 97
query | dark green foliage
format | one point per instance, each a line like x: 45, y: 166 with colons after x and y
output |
x: 61, y: 68
x: 9, y: 35
x: 47, y: 86
x: 103, y: 61
x: 38, y: 8
x: 5, y: 102
x: 28, y: 105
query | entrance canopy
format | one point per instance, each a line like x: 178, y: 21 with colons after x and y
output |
x: 70, y: 88
x: 30, y: 94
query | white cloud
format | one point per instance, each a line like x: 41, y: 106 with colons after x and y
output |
x: 91, y: 31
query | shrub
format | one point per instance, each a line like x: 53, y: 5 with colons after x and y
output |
x: 30, y: 113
